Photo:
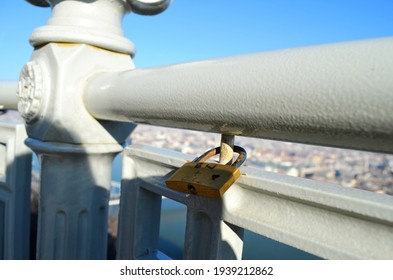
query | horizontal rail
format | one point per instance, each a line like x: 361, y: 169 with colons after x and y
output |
x: 8, y: 98
x: 321, y: 218
x: 333, y: 95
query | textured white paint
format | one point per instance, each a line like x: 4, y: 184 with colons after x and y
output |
x: 97, y: 23
x: 321, y: 218
x: 74, y: 195
x: 15, y: 190
x: 63, y: 117
x: 338, y: 94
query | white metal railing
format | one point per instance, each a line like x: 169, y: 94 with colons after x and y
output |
x: 80, y: 93
x: 8, y: 98
x: 331, y: 99
x: 323, y: 95
x: 15, y: 177
x: 324, y: 219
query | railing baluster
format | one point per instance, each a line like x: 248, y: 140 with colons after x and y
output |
x: 208, y: 236
x: 15, y: 179
x: 139, y: 222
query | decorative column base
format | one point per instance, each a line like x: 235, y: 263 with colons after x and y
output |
x: 74, y: 194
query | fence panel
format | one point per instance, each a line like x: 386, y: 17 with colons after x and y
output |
x: 324, y: 219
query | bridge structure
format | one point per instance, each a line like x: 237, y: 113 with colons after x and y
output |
x: 81, y: 95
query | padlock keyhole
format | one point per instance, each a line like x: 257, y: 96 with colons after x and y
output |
x: 192, y: 189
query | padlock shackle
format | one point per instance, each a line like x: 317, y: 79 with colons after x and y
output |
x: 215, y: 151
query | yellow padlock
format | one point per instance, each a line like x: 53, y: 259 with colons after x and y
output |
x: 207, y: 178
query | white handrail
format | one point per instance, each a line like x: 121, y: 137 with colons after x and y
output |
x: 8, y: 98
x: 334, y: 95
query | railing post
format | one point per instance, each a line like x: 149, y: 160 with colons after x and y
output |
x: 81, y: 39
x: 73, y: 200
x: 208, y: 236
x: 75, y: 150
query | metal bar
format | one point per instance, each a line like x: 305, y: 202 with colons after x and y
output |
x: 324, y: 219
x: 8, y: 98
x: 320, y: 218
x: 334, y: 95
x: 139, y: 218
x: 207, y: 236
x: 226, y: 154
x: 15, y: 181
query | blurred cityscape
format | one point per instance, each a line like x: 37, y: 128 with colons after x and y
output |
x: 349, y: 168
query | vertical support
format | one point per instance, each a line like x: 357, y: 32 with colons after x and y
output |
x: 207, y: 235
x: 15, y: 179
x: 226, y: 154
x: 82, y: 38
x: 142, y: 215
x: 139, y: 217
x: 74, y: 195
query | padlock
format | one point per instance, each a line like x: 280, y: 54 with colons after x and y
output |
x: 207, y: 178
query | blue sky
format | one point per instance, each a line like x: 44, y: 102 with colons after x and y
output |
x: 202, y: 29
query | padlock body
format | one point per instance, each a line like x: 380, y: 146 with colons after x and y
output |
x: 203, y: 178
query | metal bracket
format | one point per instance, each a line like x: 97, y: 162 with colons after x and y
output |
x: 149, y: 7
